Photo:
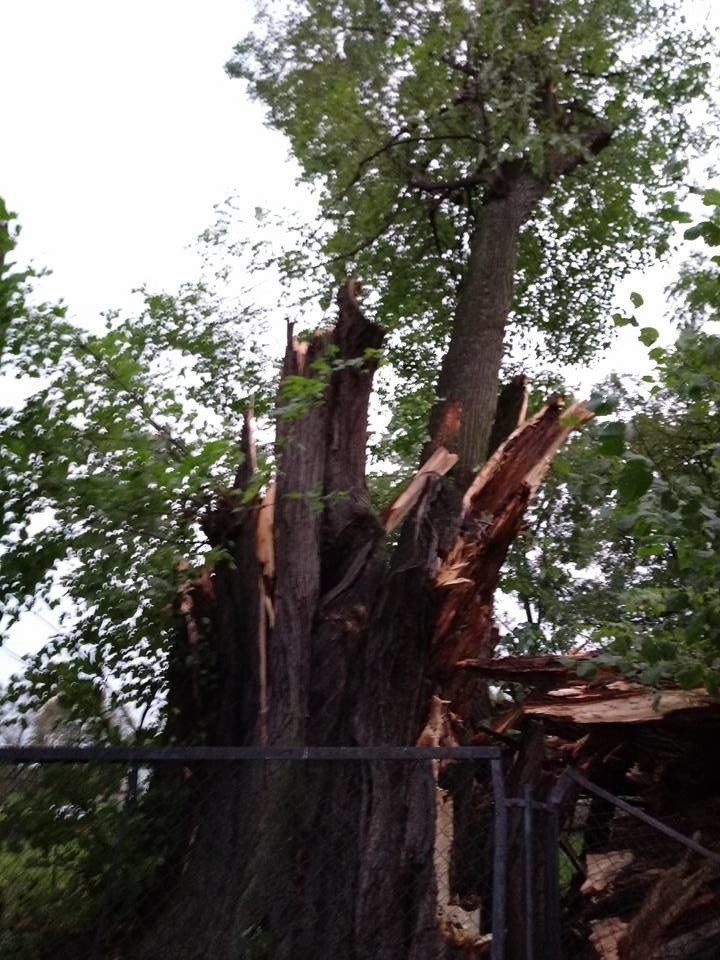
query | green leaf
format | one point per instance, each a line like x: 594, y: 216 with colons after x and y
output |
x: 612, y: 438
x: 587, y: 669
x: 709, y: 231
x: 634, y: 480
x: 637, y: 300
x: 602, y: 404
x: 692, y: 677
x: 622, y: 321
x: 648, y: 336
x: 673, y: 215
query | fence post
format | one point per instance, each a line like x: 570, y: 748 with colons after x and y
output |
x: 530, y: 880
x: 549, y: 847
x: 499, y: 918
x: 557, y: 798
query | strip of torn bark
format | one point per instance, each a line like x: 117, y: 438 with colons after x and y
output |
x: 439, y: 463
x: 526, y: 455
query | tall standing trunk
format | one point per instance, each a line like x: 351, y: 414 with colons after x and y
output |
x: 463, y: 415
x: 306, y: 863
x: 296, y: 861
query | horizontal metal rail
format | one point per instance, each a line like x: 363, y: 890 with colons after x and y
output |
x: 645, y: 817
x: 140, y: 755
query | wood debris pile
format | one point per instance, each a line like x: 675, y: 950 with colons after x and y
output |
x: 629, y: 891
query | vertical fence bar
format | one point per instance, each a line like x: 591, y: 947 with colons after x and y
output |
x: 551, y: 856
x: 529, y: 869
x: 499, y: 861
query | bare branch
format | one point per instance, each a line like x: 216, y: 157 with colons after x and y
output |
x: 446, y: 186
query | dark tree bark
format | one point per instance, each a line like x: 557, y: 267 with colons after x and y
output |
x: 511, y: 410
x: 467, y: 388
x: 464, y: 412
x: 309, y: 863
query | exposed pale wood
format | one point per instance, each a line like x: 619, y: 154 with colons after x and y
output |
x: 264, y: 607
x: 439, y: 463
x: 636, y: 707
x: 605, y: 936
x: 668, y: 898
x: 602, y: 869
x: 527, y: 453
x: 264, y: 533
x: 265, y: 551
x: 494, y: 506
x: 437, y: 732
x: 519, y: 668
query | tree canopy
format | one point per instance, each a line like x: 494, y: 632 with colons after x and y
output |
x: 409, y: 116
x: 126, y: 438
x: 489, y: 169
x: 623, y: 549
x: 405, y: 115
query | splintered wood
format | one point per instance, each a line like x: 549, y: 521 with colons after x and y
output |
x: 440, y: 463
x: 558, y: 693
x: 636, y: 892
x: 493, y: 514
x: 602, y: 868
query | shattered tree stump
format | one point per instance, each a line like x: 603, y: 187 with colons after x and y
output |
x: 313, y: 635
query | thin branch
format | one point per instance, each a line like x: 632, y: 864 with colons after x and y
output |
x: 138, y: 399
x: 465, y: 68
x: 528, y: 609
x: 369, y: 241
x: 395, y: 141
x: 362, y: 164
x: 446, y: 186
x: 432, y: 216
x: 592, y: 142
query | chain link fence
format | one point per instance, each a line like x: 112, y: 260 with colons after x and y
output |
x: 93, y: 842
x: 635, y: 887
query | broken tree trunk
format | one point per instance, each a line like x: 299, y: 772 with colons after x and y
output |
x: 492, y: 517
x: 313, y: 636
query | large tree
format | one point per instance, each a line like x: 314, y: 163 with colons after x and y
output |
x: 458, y: 149
x: 451, y: 145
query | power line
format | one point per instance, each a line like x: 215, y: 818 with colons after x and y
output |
x: 48, y: 623
x: 11, y: 653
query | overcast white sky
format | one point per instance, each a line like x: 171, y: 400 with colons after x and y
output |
x: 121, y: 131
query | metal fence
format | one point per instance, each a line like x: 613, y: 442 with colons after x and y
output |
x: 595, y: 877
x: 92, y: 841
x: 92, y: 838
x: 634, y: 886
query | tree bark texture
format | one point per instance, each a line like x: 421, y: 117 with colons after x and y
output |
x: 464, y: 411
x: 463, y: 415
x: 339, y: 645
